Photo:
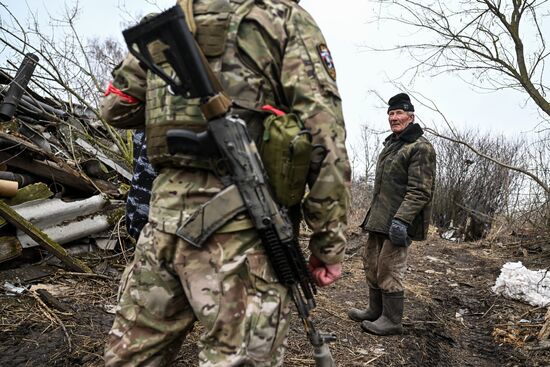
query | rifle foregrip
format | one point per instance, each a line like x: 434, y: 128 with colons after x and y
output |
x: 278, y: 257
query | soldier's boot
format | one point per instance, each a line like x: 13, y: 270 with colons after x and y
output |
x: 392, y: 315
x: 373, y: 312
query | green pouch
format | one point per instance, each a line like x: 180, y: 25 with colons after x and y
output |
x: 286, y: 153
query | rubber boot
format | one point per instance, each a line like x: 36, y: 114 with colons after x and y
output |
x: 373, y: 312
x: 392, y: 315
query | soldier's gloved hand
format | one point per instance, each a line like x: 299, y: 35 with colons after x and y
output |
x: 324, y: 274
x: 398, y: 233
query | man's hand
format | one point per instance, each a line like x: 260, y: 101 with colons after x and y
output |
x: 324, y: 274
x: 398, y: 233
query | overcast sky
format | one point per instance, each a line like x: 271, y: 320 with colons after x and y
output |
x: 348, y: 26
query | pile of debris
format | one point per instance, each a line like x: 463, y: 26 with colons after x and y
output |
x: 60, y: 178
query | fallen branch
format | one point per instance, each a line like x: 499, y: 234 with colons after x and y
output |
x: 490, y: 308
x: 372, y: 360
x: 531, y: 311
x: 50, y: 300
x: 86, y: 275
x: 52, y: 314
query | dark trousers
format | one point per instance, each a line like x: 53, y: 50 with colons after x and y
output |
x: 384, y: 263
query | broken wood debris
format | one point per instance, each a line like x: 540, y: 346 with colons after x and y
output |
x: 61, y: 180
x: 51, y: 301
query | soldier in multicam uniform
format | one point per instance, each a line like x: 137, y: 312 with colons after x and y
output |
x: 399, y: 213
x: 267, y: 52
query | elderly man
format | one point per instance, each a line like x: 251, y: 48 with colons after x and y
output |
x: 399, y: 213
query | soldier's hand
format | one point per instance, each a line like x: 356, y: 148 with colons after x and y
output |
x: 398, y: 233
x: 324, y: 274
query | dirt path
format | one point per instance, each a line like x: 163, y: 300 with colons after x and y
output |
x: 451, y: 316
x: 450, y: 312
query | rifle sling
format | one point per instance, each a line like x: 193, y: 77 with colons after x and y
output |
x: 211, y: 216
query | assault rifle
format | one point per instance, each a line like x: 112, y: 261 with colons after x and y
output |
x: 169, y: 33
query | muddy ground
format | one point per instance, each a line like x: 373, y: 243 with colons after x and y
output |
x: 451, y: 316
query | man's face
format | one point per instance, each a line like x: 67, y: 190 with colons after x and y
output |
x: 399, y: 120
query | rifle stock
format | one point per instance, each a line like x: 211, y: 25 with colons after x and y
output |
x: 238, y: 150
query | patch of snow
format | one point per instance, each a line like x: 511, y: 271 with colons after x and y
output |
x: 517, y: 282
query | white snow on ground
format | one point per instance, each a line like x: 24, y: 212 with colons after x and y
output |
x: 517, y: 282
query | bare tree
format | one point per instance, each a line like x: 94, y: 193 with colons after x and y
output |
x: 470, y: 190
x: 363, y: 183
x: 104, y: 54
x: 499, y: 43
x: 372, y: 146
x: 71, y: 69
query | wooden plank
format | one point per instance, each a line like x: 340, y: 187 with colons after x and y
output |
x: 49, y: 170
x: 42, y: 239
x: 103, y: 158
x: 27, y: 274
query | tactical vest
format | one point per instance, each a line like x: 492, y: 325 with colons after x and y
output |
x: 237, y: 64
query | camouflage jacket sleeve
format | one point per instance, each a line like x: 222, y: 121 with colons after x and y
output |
x: 309, y: 82
x: 421, y: 175
x: 123, y: 104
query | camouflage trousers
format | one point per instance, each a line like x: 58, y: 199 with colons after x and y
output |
x: 385, y: 264
x: 227, y: 285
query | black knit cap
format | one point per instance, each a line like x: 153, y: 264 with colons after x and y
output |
x: 400, y: 101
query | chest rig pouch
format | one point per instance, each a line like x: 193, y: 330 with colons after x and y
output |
x: 286, y: 150
x: 284, y: 144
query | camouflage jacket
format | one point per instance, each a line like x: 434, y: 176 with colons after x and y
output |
x: 404, y: 184
x: 272, y: 53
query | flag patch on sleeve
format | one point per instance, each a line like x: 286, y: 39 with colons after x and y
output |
x: 326, y: 57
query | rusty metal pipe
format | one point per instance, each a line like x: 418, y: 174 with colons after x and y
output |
x: 17, y: 87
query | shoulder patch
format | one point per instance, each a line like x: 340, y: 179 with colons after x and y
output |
x: 326, y: 57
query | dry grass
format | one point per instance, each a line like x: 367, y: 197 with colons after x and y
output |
x: 443, y: 278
